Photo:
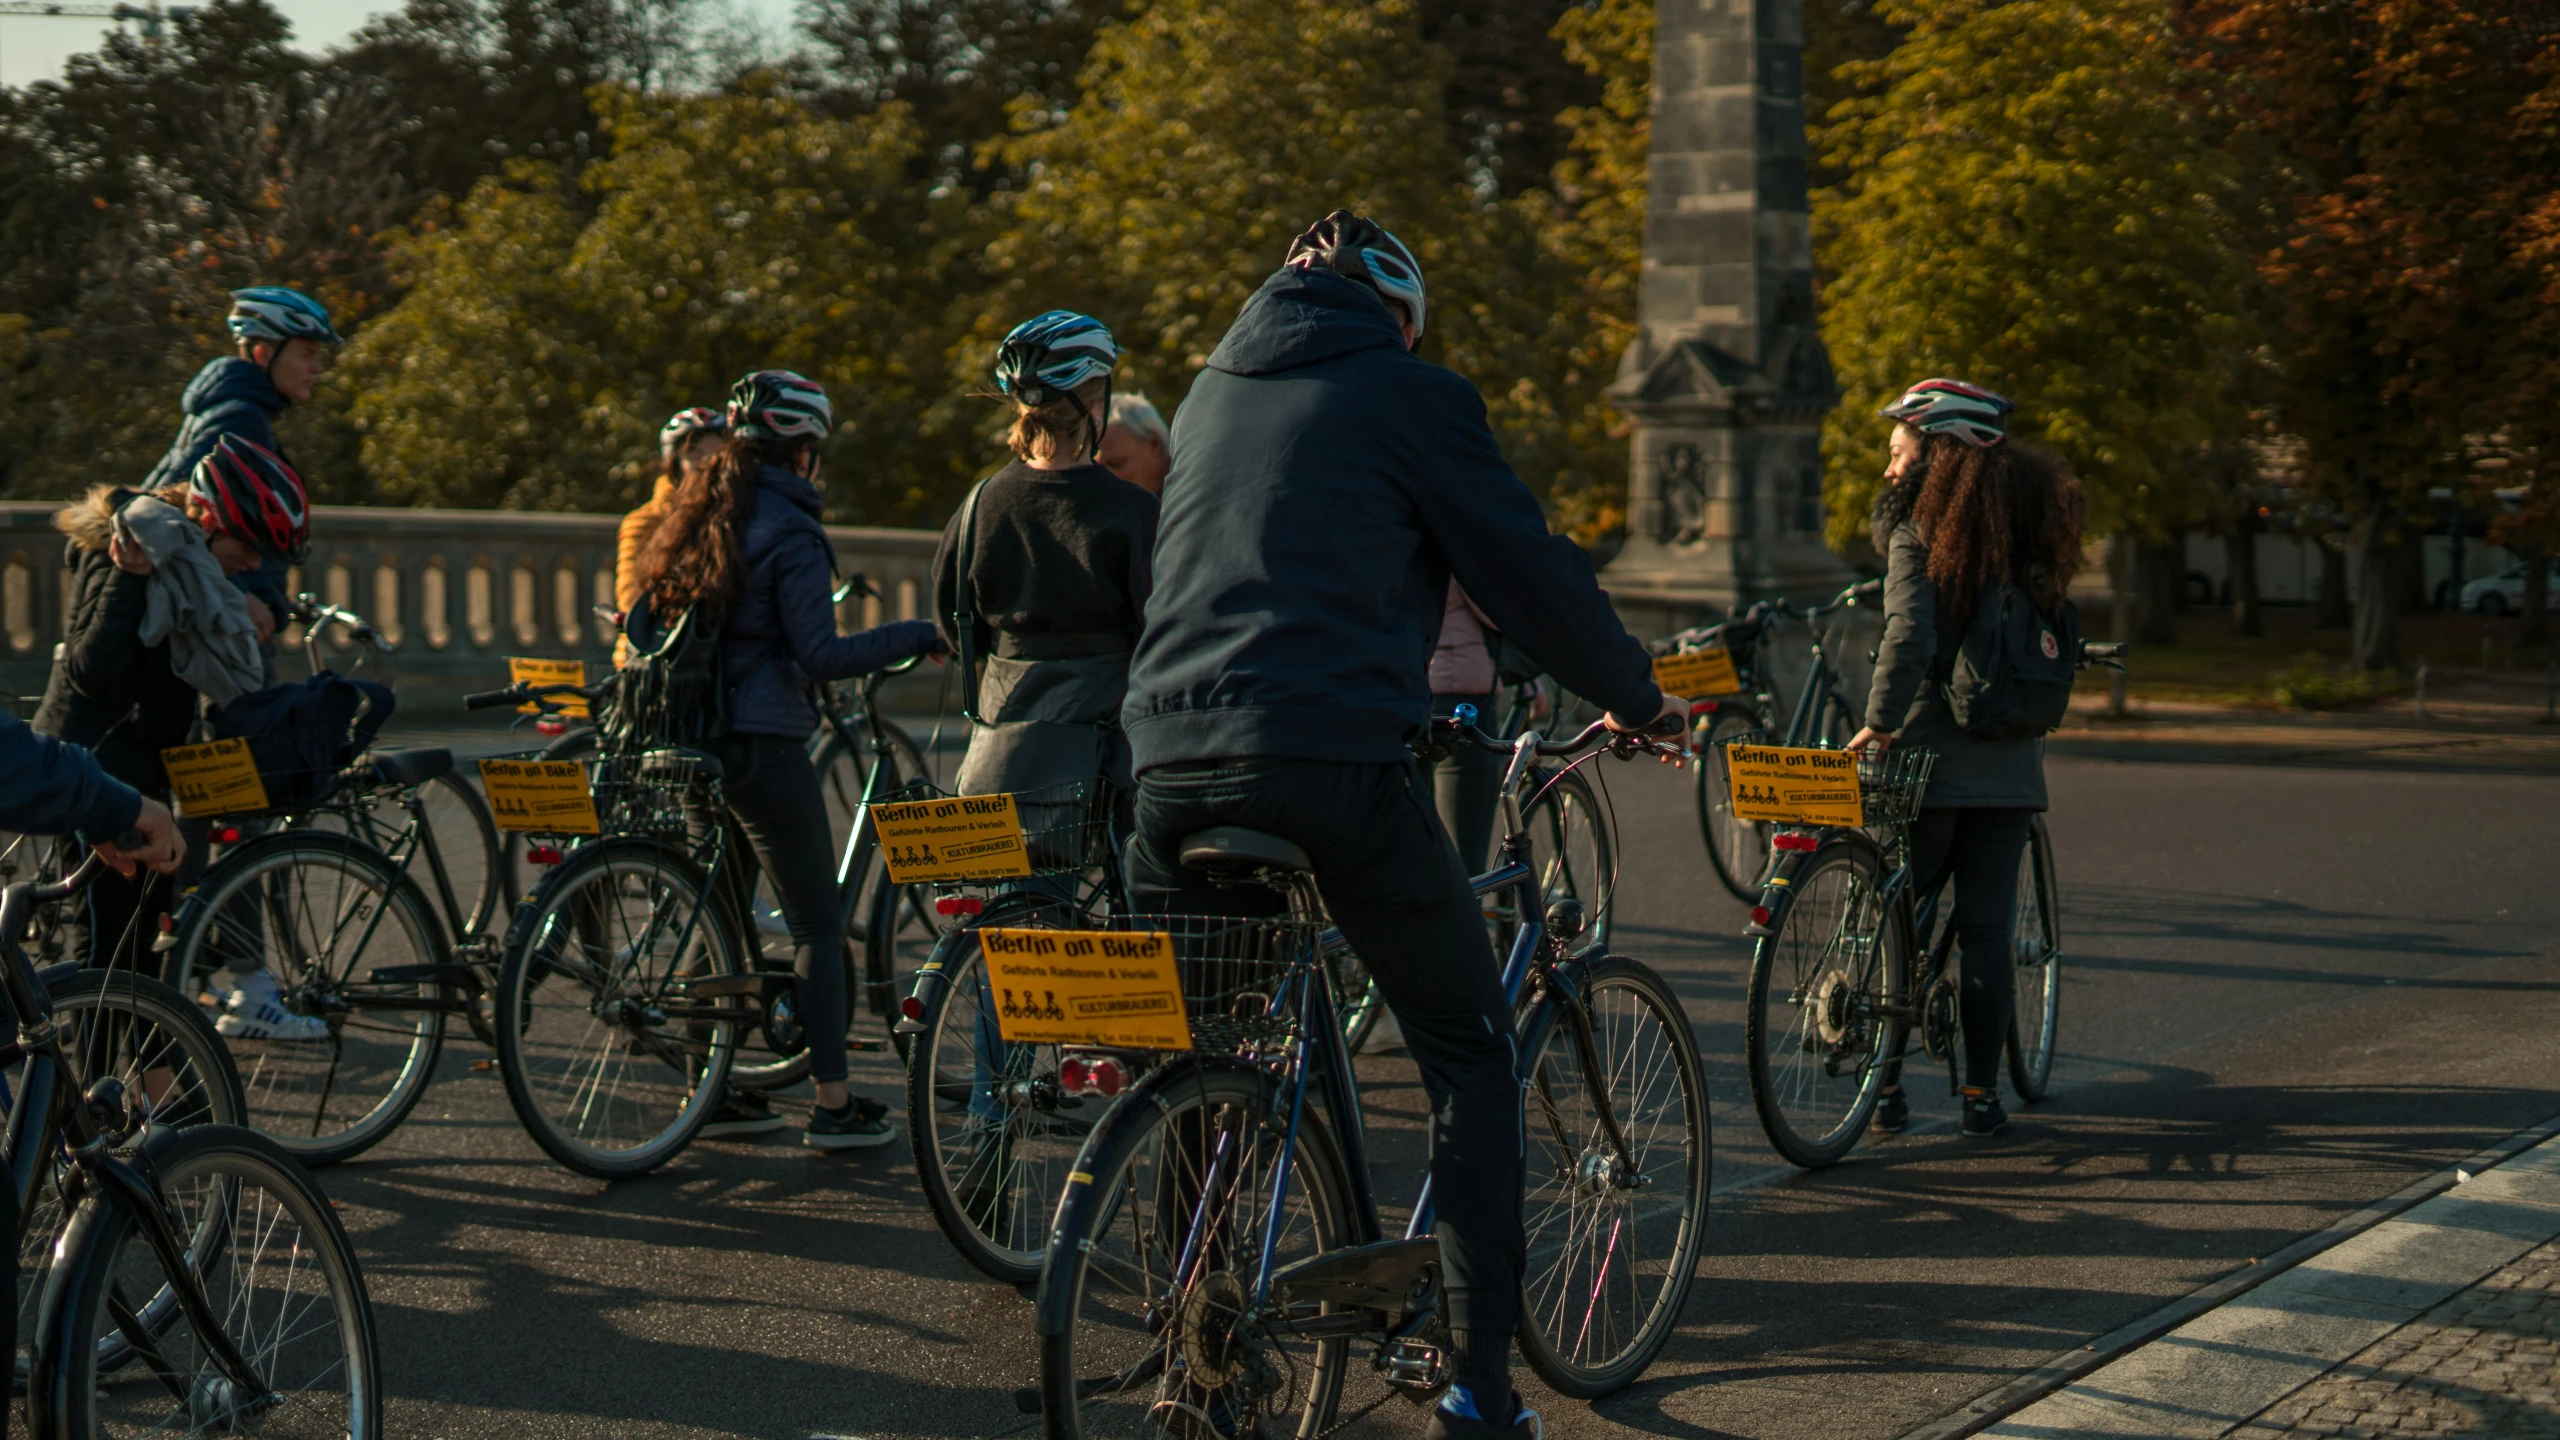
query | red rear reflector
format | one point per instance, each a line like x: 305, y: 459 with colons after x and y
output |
x: 548, y: 726
x: 1703, y: 707
x: 168, y: 923
x: 1759, y: 914
x: 1790, y: 840
x: 1101, y: 1075
x: 912, y: 1008
x: 543, y: 854
x: 958, y: 905
x: 227, y: 835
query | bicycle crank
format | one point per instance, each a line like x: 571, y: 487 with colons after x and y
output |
x: 1939, y: 1024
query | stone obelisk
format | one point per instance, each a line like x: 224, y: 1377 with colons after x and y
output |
x: 1727, y: 380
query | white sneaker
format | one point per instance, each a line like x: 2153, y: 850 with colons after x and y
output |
x: 256, y: 1012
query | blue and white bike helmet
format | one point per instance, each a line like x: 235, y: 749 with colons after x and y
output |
x: 1045, y: 358
x: 1356, y: 247
x: 280, y: 312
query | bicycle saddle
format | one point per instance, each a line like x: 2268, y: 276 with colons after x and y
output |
x: 1233, y: 845
x: 409, y: 767
x: 680, y: 764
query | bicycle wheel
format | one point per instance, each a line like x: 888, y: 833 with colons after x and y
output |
x: 322, y: 913
x: 1613, y: 1237
x: 275, y: 1267
x: 1570, y: 846
x: 1738, y: 849
x: 474, y: 862
x: 2036, y: 1019
x: 899, y: 934
x: 1815, y: 1022
x: 1131, y: 1338
x: 609, y: 1062
x: 175, y: 1071
x: 993, y: 1136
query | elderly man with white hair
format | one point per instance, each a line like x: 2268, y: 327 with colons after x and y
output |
x: 1136, y: 446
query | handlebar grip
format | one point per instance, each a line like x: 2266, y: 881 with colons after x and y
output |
x: 2103, y: 649
x: 492, y: 699
x: 1867, y: 590
x: 131, y: 840
x: 1664, y: 726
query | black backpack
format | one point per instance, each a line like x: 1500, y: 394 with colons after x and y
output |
x: 672, y: 690
x: 2010, y: 675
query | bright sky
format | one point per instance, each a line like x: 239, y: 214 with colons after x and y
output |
x: 35, y: 47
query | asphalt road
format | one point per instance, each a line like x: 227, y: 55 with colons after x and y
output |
x: 2288, y: 992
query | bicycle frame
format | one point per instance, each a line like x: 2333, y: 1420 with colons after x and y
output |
x: 47, y: 1120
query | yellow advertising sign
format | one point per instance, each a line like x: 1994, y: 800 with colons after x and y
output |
x: 1794, y: 787
x: 523, y: 671
x: 966, y: 837
x: 217, y: 778
x: 546, y: 797
x: 1086, y: 987
x: 1696, y: 674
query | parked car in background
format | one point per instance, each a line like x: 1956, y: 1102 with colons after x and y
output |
x: 2503, y: 593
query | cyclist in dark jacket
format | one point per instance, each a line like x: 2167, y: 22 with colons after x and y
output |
x: 743, y: 538
x: 283, y: 337
x: 1962, y: 508
x: 52, y: 787
x: 1326, y: 485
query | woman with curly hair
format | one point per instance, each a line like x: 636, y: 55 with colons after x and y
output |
x: 1965, y: 509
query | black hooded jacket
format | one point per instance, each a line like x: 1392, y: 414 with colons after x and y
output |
x: 1326, y: 484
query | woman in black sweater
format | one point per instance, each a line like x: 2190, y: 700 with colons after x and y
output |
x: 1041, y: 583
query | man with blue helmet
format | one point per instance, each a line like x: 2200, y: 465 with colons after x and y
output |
x: 284, y: 340
x: 1327, y: 484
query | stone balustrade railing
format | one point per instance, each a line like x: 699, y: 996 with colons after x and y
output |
x: 458, y: 591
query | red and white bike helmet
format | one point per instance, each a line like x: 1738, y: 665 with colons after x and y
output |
x: 1951, y: 407
x: 255, y: 497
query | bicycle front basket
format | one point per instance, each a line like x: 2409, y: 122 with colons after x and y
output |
x: 1231, y: 967
x: 1893, y: 784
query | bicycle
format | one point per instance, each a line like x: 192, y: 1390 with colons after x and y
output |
x: 202, y: 1282
x: 1739, y: 849
x: 1218, y: 1249
x: 1847, y: 960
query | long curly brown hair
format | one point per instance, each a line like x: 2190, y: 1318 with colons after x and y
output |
x: 694, y: 557
x: 2009, y: 512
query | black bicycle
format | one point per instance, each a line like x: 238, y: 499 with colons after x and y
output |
x: 1821, y: 715
x: 202, y: 1283
x: 1217, y: 1251
x: 1848, y: 960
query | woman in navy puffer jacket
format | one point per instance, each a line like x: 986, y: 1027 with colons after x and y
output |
x: 744, y: 538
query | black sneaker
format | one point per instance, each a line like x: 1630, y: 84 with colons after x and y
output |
x: 742, y: 1112
x: 858, y: 1126
x: 1983, y: 1117
x: 1448, y: 1424
x: 1893, y: 1113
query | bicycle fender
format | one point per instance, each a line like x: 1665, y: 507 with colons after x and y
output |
x: 1051, y: 1312
x: 1777, y: 893
x: 933, y: 978
x: 53, y: 1339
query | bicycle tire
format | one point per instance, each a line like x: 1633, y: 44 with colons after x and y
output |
x: 1575, y: 1193
x: 607, y: 1074
x: 201, y: 1088
x: 994, y: 1138
x: 1118, y: 1223
x: 871, y: 979
x: 898, y: 939
x: 467, y: 842
x: 1737, y: 849
x: 1571, y: 846
x: 2035, y: 1021
x: 263, y: 1242
x: 1836, y: 959
x: 320, y: 1111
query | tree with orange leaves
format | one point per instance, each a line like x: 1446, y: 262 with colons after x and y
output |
x: 2387, y: 247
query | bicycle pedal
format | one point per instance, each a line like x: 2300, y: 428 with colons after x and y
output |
x: 1412, y: 1366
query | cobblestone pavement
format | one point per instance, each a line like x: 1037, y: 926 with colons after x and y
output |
x: 2485, y: 1363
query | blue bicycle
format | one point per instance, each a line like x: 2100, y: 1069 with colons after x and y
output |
x: 1217, y: 1260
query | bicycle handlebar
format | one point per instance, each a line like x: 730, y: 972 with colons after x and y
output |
x: 519, y: 694
x: 308, y: 610
x: 1647, y: 738
x: 2109, y: 653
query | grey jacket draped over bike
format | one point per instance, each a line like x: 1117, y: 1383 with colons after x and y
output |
x: 1907, y: 701
x: 1060, y: 567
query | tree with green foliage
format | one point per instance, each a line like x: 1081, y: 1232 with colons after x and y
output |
x: 1209, y: 134
x: 2025, y: 204
x: 546, y: 335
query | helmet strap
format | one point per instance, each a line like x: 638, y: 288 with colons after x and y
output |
x: 1093, y: 424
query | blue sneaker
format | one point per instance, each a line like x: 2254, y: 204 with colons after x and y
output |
x: 1457, y: 1418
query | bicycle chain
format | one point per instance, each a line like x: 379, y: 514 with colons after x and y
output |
x: 1354, y: 1418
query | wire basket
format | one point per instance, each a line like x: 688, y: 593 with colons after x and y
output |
x: 1231, y: 967
x: 1066, y: 831
x: 637, y: 797
x: 1892, y: 785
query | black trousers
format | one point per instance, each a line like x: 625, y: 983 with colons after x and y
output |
x: 1982, y: 849
x: 1393, y: 883
x: 779, y: 809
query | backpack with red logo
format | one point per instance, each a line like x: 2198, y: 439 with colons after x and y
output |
x: 2010, y: 676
